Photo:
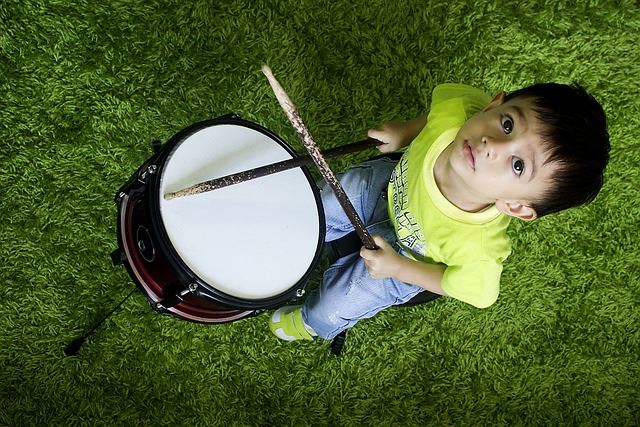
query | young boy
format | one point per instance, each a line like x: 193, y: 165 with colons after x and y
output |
x: 440, y: 215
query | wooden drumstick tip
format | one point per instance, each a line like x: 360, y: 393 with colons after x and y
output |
x: 189, y: 191
x: 266, y: 70
x: 281, y: 95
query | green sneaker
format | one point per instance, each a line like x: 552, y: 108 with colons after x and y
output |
x: 286, y: 323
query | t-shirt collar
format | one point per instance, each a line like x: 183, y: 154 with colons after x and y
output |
x: 436, y: 195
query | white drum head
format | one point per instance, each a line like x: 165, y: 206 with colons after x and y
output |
x: 252, y: 240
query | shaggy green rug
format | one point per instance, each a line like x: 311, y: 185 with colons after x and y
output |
x: 85, y: 87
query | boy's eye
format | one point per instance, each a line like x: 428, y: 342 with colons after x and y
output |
x: 517, y: 165
x: 507, y: 124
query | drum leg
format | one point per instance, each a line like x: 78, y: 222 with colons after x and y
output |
x: 338, y: 343
x: 74, y: 347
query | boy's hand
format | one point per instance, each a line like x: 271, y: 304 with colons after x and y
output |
x: 397, y: 135
x: 383, y: 262
x: 392, y: 134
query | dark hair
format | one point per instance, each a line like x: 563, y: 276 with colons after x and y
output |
x: 575, y: 134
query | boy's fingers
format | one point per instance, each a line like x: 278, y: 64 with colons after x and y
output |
x: 380, y: 241
x: 371, y: 254
x: 372, y: 133
x: 375, y: 133
x: 365, y: 253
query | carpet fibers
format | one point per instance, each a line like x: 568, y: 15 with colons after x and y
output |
x: 85, y: 87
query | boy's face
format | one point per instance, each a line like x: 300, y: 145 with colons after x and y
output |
x: 499, y: 157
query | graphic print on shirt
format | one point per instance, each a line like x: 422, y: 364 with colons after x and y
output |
x: 409, y: 234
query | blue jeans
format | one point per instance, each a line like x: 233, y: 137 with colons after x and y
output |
x: 347, y: 292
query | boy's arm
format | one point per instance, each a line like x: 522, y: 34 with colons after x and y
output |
x: 397, y: 135
x: 386, y: 262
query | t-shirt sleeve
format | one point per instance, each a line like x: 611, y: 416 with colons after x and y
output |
x: 477, y: 283
x: 473, y: 99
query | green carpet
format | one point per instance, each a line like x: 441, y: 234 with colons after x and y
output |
x: 85, y: 87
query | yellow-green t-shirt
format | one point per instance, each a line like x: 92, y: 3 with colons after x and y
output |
x: 473, y: 246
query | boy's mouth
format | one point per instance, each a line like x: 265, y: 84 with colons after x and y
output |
x: 469, y: 155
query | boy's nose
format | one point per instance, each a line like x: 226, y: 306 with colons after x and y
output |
x: 492, y: 147
x: 489, y: 148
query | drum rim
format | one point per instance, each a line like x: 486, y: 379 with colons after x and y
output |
x: 182, y: 270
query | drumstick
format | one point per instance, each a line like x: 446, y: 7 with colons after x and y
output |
x: 236, y: 178
x: 316, y: 155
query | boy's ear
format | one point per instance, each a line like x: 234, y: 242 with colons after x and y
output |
x: 517, y: 210
x: 497, y: 100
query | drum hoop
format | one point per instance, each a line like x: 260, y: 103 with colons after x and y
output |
x: 182, y: 270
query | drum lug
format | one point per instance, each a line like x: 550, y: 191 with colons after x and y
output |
x: 144, y: 174
x: 156, y: 146
x: 299, y: 293
x: 176, y: 298
x: 137, y: 183
x: 119, y: 196
x: 234, y: 116
x: 118, y: 257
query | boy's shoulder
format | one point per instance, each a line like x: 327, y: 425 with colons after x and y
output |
x: 447, y: 91
x: 452, y: 104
